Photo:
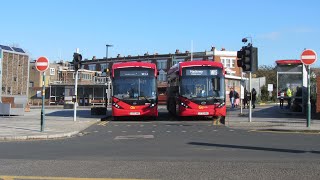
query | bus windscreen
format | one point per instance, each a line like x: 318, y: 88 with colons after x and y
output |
x: 133, y: 83
x: 202, y: 82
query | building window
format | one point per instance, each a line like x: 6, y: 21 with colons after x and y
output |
x: 162, y: 76
x: 92, y: 67
x: 104, y: 66
x: 86, y: 76
x: 52, y: 71
x: 228, y: 62
x: 176, y: 61
x: 74, y: 75
x: 31, y: 84
x: 162, y: 64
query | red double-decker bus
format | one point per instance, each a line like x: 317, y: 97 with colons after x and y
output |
x: 197, y: 88
x: 134, y: 89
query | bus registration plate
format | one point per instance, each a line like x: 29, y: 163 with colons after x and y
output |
x: 203, y: 113
x: 134, y: 113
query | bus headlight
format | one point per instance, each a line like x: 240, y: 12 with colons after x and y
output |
x: 184, y: 105
x: 221, y: 104
x: 116, y: 105
x: 152, y: 105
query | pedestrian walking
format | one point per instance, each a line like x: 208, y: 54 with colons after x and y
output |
x: 281, y: 99
x: 245, y: 99
x: 254, y: 97
x: 231, y: 96
x: 237, y: 100
x: 289, y: 95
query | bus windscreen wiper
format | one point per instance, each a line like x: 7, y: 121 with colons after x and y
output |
x: 148, y: 100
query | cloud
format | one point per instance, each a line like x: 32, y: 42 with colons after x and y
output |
x: 270, y: 36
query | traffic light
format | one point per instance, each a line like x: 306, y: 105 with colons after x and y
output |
x: 77, y: 58
x: 248, y: 58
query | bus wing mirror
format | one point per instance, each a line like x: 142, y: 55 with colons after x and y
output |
x: 177, y: 72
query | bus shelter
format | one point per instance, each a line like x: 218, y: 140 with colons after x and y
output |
x: 292, y: 74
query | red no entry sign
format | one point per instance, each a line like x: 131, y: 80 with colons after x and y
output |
x: 308, y: 57
x: 42, y: 64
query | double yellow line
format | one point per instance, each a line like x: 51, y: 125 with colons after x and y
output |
x: 103, y: 123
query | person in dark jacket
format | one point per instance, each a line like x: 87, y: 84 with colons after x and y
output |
x: 231, y: 96
x: 254, y: 98
x: 245, y: 99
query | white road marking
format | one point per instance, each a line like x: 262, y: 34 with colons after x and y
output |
x: 134, y: 137
x: 124, y: 131
x: 153, y: 131
x: 138, y: 131
x: 168, y: 131
x: 110, y: 131
x: 183, y: 131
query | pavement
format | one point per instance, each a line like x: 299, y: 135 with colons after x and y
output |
x: 59, y: 123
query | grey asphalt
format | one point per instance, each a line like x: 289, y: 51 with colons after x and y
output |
x: 59, y: 122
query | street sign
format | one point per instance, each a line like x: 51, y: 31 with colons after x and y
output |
x: 270, y: 87
x: 308, y: 57
x: 42, y: 64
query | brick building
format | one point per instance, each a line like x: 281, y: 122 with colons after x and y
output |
x: 14, y: 75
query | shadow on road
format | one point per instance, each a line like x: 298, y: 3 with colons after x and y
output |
x: 252, y: 148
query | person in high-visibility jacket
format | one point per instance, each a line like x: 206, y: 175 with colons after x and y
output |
x: 289, y: 95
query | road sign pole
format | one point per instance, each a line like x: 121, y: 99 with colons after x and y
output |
x: 43, y: 95
x: 309, y: 103
x: 308, y: 57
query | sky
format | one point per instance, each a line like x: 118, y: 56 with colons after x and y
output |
x: 55, y: 28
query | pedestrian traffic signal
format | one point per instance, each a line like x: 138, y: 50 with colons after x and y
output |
x: 77, y: 58
x: 248, y: 58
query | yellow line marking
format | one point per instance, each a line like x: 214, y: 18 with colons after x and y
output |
x: 104, y: 123
x: 59, y: 178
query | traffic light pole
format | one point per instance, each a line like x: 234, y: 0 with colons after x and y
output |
x: 241, y: 100
x: 250, y: 102
x: 75, y: 93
